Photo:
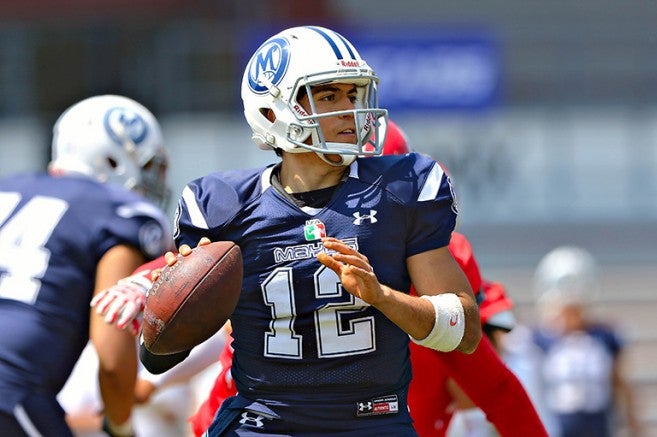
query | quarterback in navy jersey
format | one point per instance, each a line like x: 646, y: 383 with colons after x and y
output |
x: 321, y: 338
x: 63, y: 237
x: 331, y: 243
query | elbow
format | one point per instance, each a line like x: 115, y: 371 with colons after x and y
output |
x: 470, y: 341
x: 472, y: 332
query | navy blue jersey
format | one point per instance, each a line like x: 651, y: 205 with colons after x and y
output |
x: 53, y: 232
x: 578, y: 369
x: 297, y: 333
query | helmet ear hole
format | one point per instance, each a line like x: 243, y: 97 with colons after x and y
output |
x: 112, y: 162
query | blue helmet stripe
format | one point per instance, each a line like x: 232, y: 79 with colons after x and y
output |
x: 347, y: 44
x: 332, y: 43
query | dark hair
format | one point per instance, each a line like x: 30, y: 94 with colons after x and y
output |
x: 301, y: 93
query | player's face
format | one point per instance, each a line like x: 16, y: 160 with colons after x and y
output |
x: 334, y: 97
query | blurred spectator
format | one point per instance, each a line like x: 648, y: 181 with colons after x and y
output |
x: 584, y: 385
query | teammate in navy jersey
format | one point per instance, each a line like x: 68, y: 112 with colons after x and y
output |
x: 331, y: 244
x: 65, y: 236
x: 585, y: 387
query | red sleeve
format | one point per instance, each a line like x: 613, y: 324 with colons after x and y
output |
x: 461, y: 250
x: 428, y: 398
x: 490, y: 384
x: 146, y: 269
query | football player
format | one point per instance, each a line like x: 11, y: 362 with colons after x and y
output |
x: 585, y: 387
x: 430, y: 399
x: 482, y: 375
x: 331, y: 244
x: 65, y: 236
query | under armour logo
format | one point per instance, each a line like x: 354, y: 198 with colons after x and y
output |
x: 365, y: 406
x: 361, y: 218
x: 254, y: 421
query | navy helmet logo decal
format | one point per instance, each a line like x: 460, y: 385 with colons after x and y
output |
x: 270, y: 62
x: 122, y: 124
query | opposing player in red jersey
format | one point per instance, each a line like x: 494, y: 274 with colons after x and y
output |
x: 482, y: 375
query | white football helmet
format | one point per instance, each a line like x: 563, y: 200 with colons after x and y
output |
x: 298, y: 59
x: 567, y: 274
x: 112, y: 139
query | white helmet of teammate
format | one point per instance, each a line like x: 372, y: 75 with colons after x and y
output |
x: 112, y: 139
x: 293, y: 61
x: 567, y: 274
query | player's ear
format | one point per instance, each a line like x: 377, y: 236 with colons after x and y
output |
x: 270, y: 115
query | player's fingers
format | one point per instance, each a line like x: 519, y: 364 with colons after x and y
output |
x: 98, y: 298
x: 329, y: 262
x: 338, y: 246
x: 155, y: 274
x: 185, y: 250
x: 134, y: 327
x: 363, y: 272
x: 204, y: 241
x: 128, y: 314
x: 104, y: 302
x: 171, y: 258
x: 354, y: 260
x: 114, y: 310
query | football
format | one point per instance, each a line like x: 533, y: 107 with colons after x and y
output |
x: 192, y: 299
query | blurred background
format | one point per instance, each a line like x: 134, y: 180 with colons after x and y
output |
x: 545, y: 113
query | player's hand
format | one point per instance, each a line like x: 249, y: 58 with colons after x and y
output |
x: 184, y: 250
x: 353, y: 269
x: 123, y: 303
x: 171, y: 258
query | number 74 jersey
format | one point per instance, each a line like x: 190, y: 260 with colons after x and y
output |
x: 53, y: 232
x: 295, y: 328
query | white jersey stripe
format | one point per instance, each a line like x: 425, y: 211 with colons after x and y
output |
x: 26, y: 423
x: 265, y: 180
x: 194, y: 211
x: 432, y: 184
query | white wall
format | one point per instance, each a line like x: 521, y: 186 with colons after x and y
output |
x: 22, y: 145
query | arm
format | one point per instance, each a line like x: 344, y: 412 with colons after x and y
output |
x: 436, y: 272
x: 123, y: 302
x: 116, y: 349
x: 624, y: 397
x: 200, y: 358
x: 432, y: 272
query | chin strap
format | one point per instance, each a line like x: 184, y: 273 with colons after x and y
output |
x: 346, y: 159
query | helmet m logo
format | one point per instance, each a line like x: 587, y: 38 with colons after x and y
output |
x: 268, y: 65
x: 123, y: 125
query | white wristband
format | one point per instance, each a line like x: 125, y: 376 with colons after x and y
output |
x: 449, y: 325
